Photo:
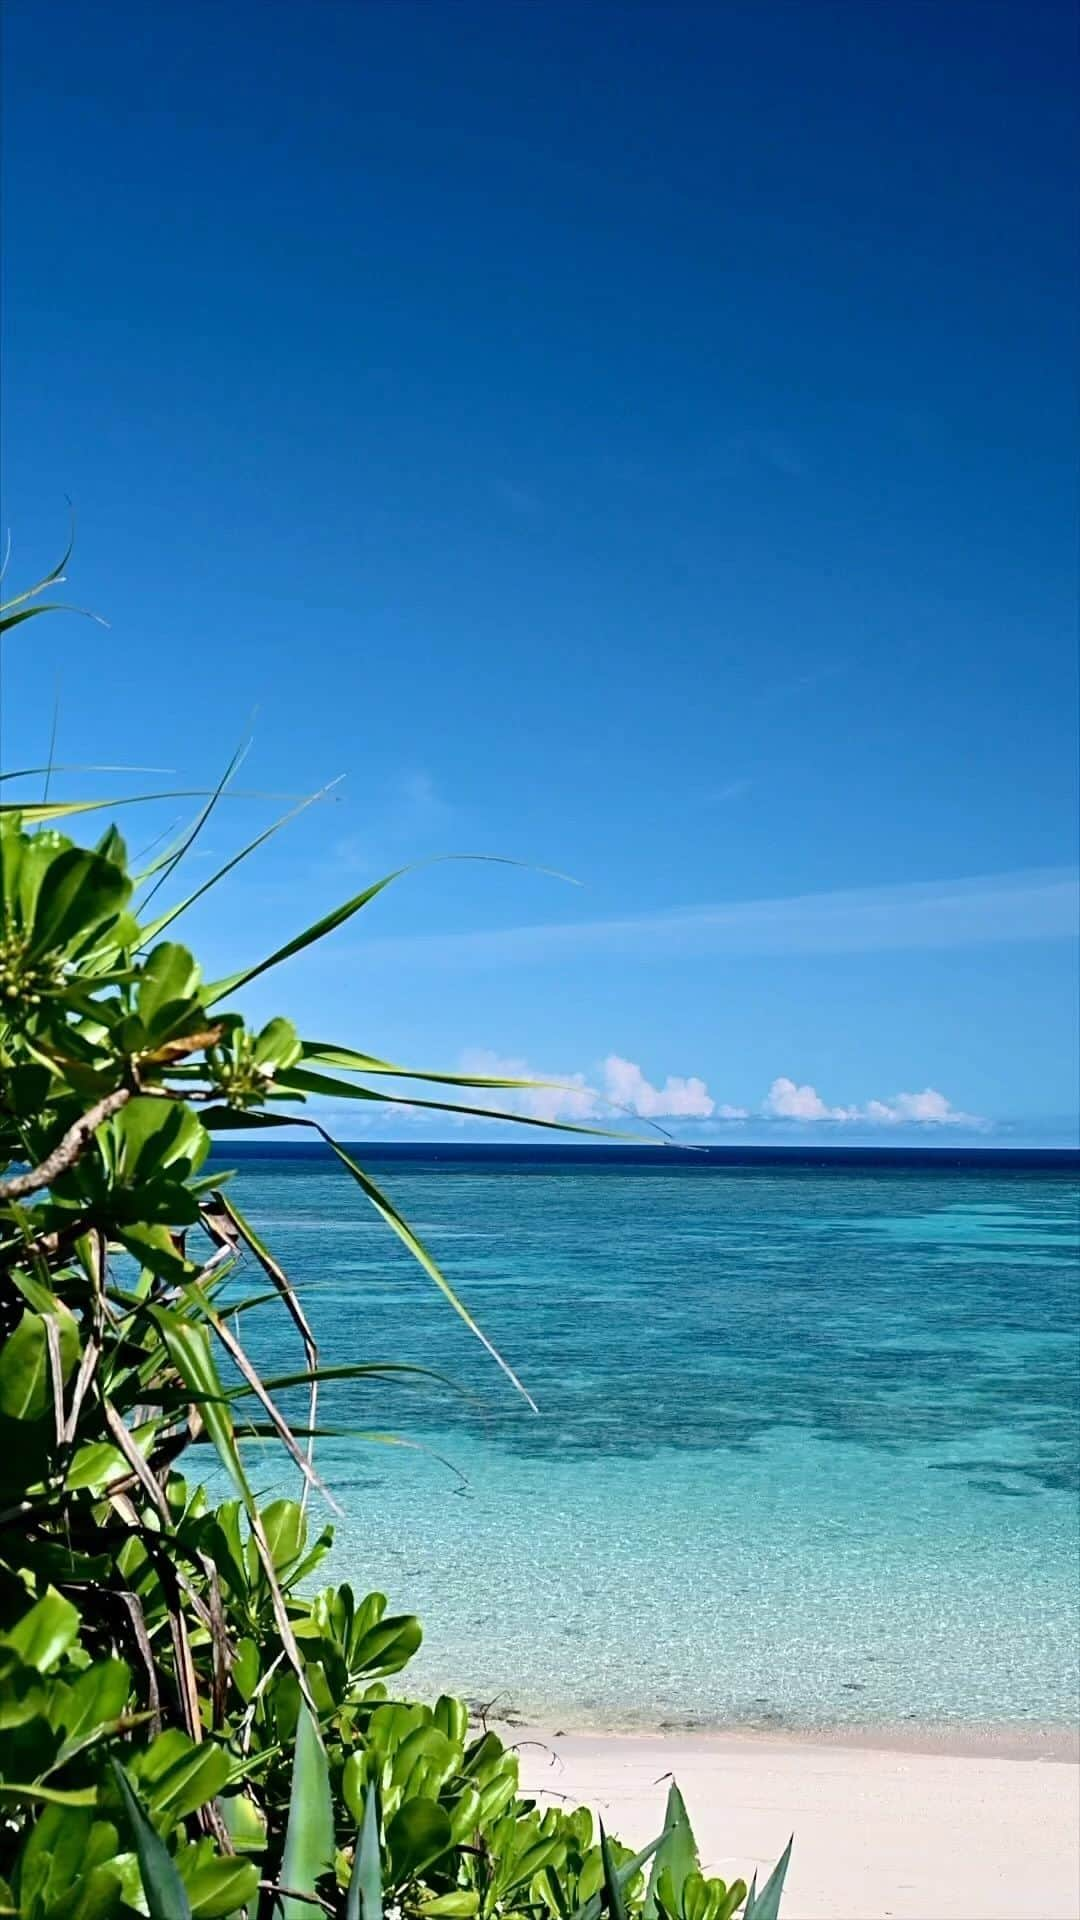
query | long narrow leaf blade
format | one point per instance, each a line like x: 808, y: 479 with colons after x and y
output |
x: 345, y: 912
x: 766, y: 1904
x: 166, y: 1894
x: 158, y: 926
x: 365, y: 1887
x: 614, y: 1896
x: 223, y: 1118
x: 317, y: 931
x: 309, y: 1836
x: 300, y: 1080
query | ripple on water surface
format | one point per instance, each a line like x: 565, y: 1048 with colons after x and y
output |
x: 807, y: 1448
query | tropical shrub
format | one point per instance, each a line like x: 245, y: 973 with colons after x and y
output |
x: 186, y: 1728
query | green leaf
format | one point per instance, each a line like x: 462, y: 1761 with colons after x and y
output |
x: 388, y: 1647
x: 418, y: 1833
x: 95, y: 1699
x: 150, y: 1137
x: 25, y: 1375
x: 317, y: 931
x: 177, y: 1775
x: 221, y: 1117
x: 158, y: 926
x: 365, y: 1885
x: 217, y: 1886
x: 309, y: 1836
x: 244, y: 1821
x: 189, y: 1350
x: 277, y: 1046
x: 79, y: 891
x: 766, y: 1904
x: 302, y: 1080
x: 166, y: 1895
x: 675, y: 1857
x: 285, y: 1527
x: 614, y: 1897
x: 63, y: 1844
x: 168, y: 989
x: 29, y: 1792
x: 731, y: 1900
x: 98, y: 1895
x: 46, y: 1632
x: 590, y: 1909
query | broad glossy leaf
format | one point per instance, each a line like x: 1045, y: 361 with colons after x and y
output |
x: 149, y: 1137
x: 79, y: 891
x: 418, y: 1833
x: 53, y: 1855
x: 387, y: 1647
x: 25, y: 1374
x: 168, y: 985
x: 216, y: 1885
x: 98, y: 1895
x: 285, y: 1528
x: 95, y: 1699
x: 176, y: 1775
x: 45, y: 1632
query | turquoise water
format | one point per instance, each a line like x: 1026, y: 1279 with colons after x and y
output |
x: 806, y: 1450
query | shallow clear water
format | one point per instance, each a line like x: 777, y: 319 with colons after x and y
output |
x: 806, y: 1449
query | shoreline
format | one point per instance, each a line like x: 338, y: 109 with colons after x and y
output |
x: 889, y: 1824
x: 1057, y: 1741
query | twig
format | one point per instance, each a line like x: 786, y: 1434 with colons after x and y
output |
x: 74, y: 1143
x: 146, y: 1653
x: 77, y: 1138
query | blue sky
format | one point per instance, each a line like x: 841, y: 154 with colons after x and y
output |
x: 637, y: 440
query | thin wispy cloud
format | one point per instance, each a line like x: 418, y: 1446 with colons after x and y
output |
x: 409, y: 812
x: 727, y: 790
x: 1032, y: 905
x: 519, y: 499
x: 769, y: 448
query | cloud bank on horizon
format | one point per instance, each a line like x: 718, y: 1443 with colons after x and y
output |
x: 621, y: 1084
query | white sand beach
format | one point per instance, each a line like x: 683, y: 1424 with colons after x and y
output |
x: 972, y: 1828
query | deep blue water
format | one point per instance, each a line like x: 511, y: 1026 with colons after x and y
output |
x: 807, y: 1444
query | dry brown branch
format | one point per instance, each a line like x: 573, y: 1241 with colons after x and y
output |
x: 226, y: 1229
x: 78, y: 1137
x: 69, y: 1149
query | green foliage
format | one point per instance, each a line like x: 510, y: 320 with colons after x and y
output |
x: 186, y: 1728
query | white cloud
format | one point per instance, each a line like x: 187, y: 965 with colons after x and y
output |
x: 786, y: 1101
x: 626, y: 1085
x: 618, y: 1083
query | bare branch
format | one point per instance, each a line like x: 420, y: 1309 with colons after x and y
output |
x: 69, y: 1149
x: 78, y: 1138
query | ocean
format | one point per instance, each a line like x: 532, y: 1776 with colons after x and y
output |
x: 807, y: 1442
